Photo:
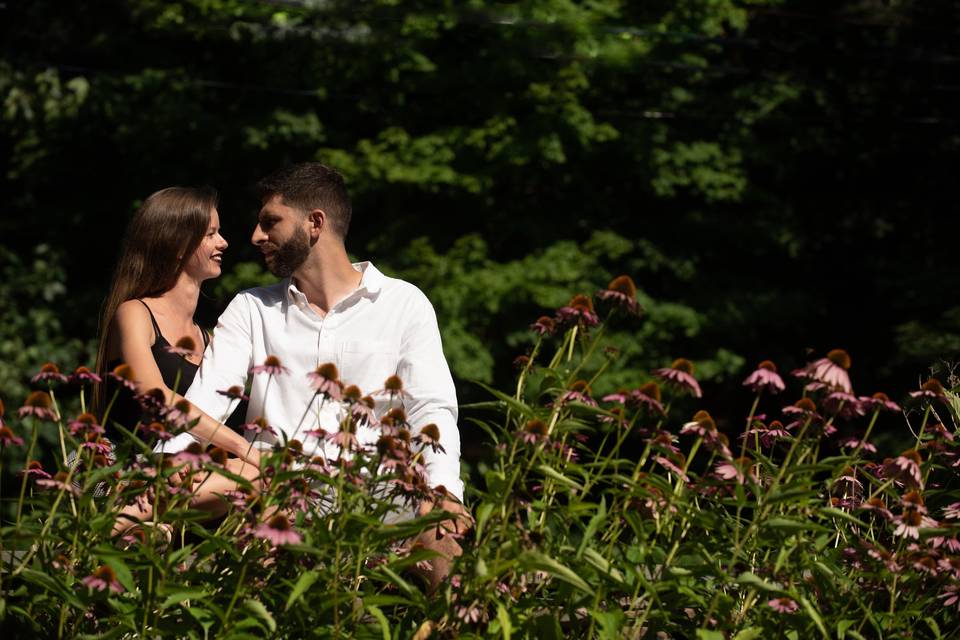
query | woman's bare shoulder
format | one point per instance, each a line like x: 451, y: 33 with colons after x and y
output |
x: 133, y: 316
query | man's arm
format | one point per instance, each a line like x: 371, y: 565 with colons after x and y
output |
x: 225, y: 364
x: 432, y: 396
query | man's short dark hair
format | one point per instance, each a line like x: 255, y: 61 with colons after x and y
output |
x: 309, y: 186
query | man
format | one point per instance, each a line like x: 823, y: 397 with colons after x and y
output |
x: 326, y: 309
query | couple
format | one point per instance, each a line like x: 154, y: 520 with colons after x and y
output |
x: 325, y: 309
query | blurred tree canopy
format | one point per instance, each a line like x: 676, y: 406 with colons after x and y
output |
x: 774, y: 174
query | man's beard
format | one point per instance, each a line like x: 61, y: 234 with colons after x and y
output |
x: 288, y: 256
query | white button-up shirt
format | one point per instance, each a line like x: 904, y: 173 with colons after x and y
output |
x: 385, y: 327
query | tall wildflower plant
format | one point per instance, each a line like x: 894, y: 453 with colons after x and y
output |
x: 626, y: 514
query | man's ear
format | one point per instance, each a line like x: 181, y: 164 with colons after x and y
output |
x: 318, y: 222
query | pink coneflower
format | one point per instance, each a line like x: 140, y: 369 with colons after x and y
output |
x: 905, y: 468
x: 35, y: 470
x: 680, y: 375
x: 765, y: 378
x: 950, y: 544
x: 325, y: 380
x: 193, y: 457
x: 646, y: 396
x: 49, y: 372
x: 952, y: 511
x: 9, y: 438
x: 671, y: 466
x: 39, y: 405
x: 739, y: 470
x: 888, y: 559
x: 783, y: 605
x: 277, y: 531
x: 178, y: 416
x: 579, y: 391
x: 533, y: 431
x: 83, y: 375
x: 97, y: 444
x: 185, y: 348
x: 623, y: 292
x: 155, y: 429
x: 236, y: 392
x: 392, y: 386
x: 86, y: 423
x: 345, y: 437
x: 701, y: 425
x: 259, y: 426
x: 103, y: 578
x: 853, y: 443
x: 362, y: 412
x: 271, y: 366
x: 878, y: 401
x: 544, y: 326
x: 931, y: 389
x: 59, y: 483
x: 123, y: 375
x: 579, y: 311
x: 910, y: 522
x: 768, y: 434
x: 430, y: 436
x: 806, y: 410
x: 939, y: 432
x: 620, y: 396
x: 876, y: 504
x: 843, y: 404
x: 951, y: 595
x: 830, y: 371
x: 664, y: 441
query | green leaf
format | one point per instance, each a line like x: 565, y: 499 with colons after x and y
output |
x: 842, y: 627
x: 787, y: 524
x: 504, y: 618
x: 750, y: 633
x: 256, y: 608
x: 179, y: 596
x: 120, y: 567
x: 709, y: 634
x: 484, y: 511
x: 303, y: 583
x: 815, y: 616
x: 840, y: 513
x: 933, y: 627
x: 750, y: 579
x: 543, y: 562
x: 382, y: 619
x: 593, y: 557
x: 550, y: 472
x: 593, y: 525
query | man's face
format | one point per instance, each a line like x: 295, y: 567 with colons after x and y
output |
x: 281, y: 236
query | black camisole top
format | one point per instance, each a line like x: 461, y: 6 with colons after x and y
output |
x: 177, y: 373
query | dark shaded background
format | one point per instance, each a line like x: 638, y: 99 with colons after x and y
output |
x: 776, y: 176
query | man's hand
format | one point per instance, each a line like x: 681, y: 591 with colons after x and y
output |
x: 442, y: 538
x: 458, y: 525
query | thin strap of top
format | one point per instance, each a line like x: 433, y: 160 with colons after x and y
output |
x: 156, y: 327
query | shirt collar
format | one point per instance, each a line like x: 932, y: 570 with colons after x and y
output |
x: 371, y: 282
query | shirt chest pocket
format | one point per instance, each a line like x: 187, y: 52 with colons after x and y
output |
x: 368, y: 363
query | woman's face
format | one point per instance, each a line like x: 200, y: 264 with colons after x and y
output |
x: 205, y: 262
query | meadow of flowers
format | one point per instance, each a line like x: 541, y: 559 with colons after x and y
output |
x: 626, y: 515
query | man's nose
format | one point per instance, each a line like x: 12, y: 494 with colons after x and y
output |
x: 258, y: 235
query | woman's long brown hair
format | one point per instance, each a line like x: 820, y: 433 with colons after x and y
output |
x: 163, y: 234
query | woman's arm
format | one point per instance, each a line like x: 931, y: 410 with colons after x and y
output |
x: 133, y: 332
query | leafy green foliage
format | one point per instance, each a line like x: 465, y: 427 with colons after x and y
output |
x: 595, y: 517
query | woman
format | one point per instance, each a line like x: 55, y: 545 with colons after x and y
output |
x: 172, y: 245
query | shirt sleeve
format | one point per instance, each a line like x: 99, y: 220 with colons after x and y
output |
x: 432, y: 397
x: 226, y: 361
